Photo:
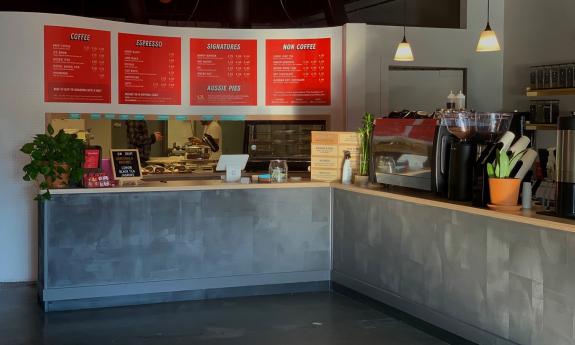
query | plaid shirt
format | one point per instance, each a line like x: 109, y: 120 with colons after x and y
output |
x: 140, y: 139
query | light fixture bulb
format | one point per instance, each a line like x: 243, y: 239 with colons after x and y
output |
x: 403, y: 52
x: 488, y: 41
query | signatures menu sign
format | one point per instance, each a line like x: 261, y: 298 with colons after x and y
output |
x: 149, y: 69
x: 76, y: 65
x: 126, y: 164
x: 223, y: 72
x: 298, y: 71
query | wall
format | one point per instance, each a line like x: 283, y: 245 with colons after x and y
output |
x: 422, y: 90
x: 367, y: 85
x: 22, y: 110
x: 536, y: 33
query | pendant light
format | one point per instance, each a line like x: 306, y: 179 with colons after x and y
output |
x: 403, y: 52
x: 488, y: 39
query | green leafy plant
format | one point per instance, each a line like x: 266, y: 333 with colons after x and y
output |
x: 365, y: 134
x: 503, y: 164
x: 48, y: 153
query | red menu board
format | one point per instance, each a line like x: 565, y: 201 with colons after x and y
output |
x: 298, y: 71
x: 223, y: 72
x: 149, y: 69
x: 76, y: 65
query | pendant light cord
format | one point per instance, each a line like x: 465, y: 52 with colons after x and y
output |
x: 405, y: 16
x: 487, y: 11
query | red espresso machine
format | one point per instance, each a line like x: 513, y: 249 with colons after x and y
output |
x: 402, y: 152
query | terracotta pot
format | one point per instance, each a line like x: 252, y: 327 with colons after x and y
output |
x: 61, y: 180
x: 361, y: 181
x: 504, y: 191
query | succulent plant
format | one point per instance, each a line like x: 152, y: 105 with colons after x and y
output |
x: 503, y: 164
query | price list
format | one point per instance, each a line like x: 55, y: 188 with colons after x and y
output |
x: 149, y: 69
x: 76, y: 65
x: 223, y: 72
x: 298, y: 72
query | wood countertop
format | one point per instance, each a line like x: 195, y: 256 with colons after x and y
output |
x: 530, y: 217
x: 157, y: 186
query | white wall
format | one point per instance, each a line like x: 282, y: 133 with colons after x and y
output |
x: 22, y: 109
x: 367, y: 87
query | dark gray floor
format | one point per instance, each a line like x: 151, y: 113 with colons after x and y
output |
x: 309, y: 318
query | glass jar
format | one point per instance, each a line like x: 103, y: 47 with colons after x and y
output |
x: 278, y: 171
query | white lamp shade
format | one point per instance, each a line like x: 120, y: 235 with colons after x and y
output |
x: 488, y: 41
x: 403, y: 52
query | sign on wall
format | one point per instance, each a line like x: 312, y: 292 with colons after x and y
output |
x: 76, y: 65
x: 298, y: 72
x: 149, y: 69
x: 223, y: 72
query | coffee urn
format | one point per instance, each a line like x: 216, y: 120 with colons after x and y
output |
x: 565, y: 199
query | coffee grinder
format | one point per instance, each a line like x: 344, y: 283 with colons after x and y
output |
x: 489, y: 127
x: 462, y: 153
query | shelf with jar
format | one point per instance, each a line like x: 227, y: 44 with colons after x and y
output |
x: 551, y: 80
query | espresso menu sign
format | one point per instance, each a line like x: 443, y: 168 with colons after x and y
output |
x: 126, y: 164
x: 76, y: 65
x: 298, y: 71
x: 149, y: 69
x: 223, y: 72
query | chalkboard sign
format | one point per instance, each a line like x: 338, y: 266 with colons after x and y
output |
x: 126, y: 165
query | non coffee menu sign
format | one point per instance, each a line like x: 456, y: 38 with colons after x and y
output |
x: 149, y: 69
x: 76, y: 65
x: 126, y: 164
x: 298, y: 71
x: 223, y: 72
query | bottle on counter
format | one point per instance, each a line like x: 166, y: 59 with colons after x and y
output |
x: 346, y: 172
x: 451, y: 100
x: 460, y: 100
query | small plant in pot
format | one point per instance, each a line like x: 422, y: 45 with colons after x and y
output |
x: 56, y: 158
x: 365, y: 134
x: 503, y: 189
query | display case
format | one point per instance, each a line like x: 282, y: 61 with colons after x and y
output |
x: 289, y: 140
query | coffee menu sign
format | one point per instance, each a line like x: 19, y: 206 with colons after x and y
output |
x: 76, y: 65
x: 149, y: 69
x: 126, y: 164
x: 298, y: 72
x: 223, y: 72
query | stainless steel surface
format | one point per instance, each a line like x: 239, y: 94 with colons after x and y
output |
x: 566, y: 156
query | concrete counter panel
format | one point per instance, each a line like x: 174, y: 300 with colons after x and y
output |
x: 127, y: 244
x: 490, y: 280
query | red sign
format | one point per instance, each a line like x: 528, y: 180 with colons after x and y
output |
x: 298, y: 72
x: 149, y: 69
x: 223, y: 72
x: 76, y: 65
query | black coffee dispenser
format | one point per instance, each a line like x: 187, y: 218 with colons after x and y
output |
x: 566, y: 166
x: 490, y: 127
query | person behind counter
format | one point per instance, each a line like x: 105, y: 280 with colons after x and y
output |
x: 139, y: 138
x: 214, y: 129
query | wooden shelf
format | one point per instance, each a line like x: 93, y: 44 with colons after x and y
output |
x: 550, y: 92
x: 540, y: 126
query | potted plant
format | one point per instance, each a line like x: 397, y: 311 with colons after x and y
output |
x: 503, y: 189
x: 57, y: 158
x: 365, y: 134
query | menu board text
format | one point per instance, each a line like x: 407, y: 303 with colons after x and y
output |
x: 76, y: 65
x: 149, y: 69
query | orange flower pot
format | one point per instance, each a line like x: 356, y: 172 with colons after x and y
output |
x: 504, y: 191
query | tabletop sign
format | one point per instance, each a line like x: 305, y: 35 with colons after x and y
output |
x: 149, y: 69
x: 223, y: 72
x: 126, y: 164
x: 298, y: 72
x: 76, y: 65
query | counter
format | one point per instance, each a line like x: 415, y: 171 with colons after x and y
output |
x: 491, y: 277
x: 182, y: 240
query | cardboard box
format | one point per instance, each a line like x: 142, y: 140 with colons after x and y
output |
x: 327, y: 150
